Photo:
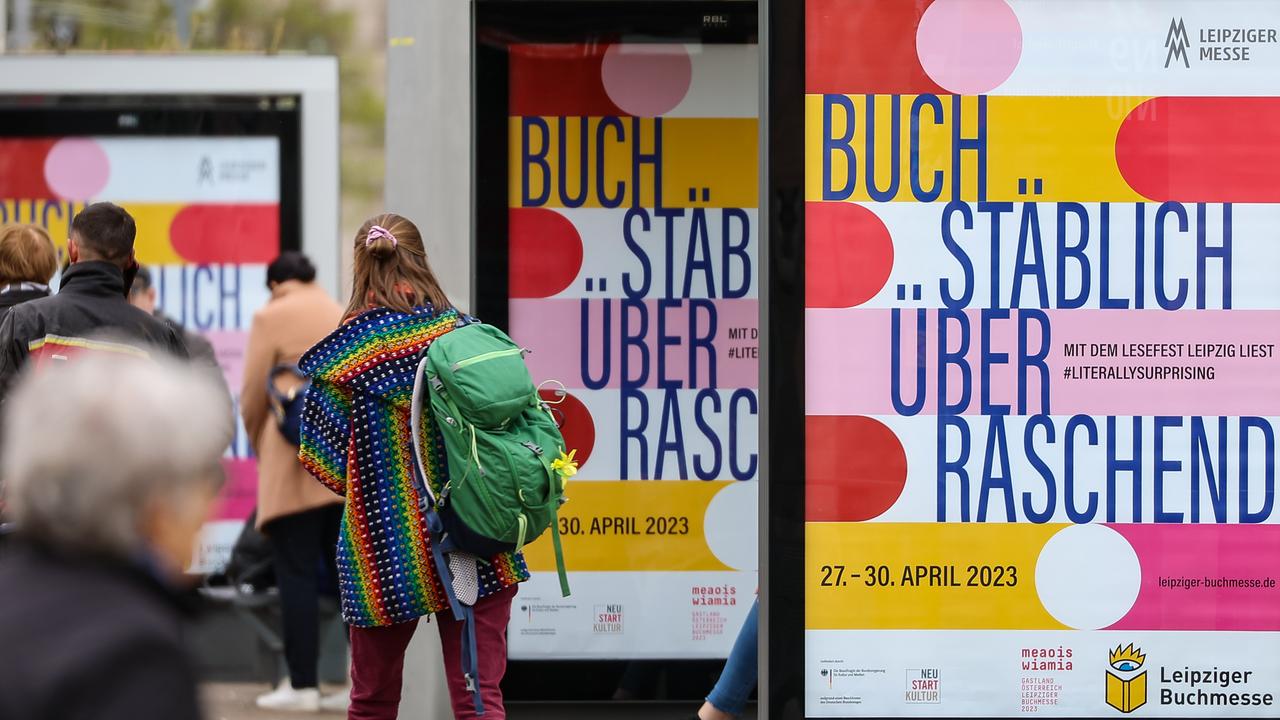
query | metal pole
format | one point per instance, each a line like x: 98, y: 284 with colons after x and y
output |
x: 21, y: 25
x: 4, y: 24
x: 182, y: 19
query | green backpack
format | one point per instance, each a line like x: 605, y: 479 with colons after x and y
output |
x: 500, y: 440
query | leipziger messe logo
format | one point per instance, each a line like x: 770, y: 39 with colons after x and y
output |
x: 1217, y: 44
x: 1177, y: 41
x: 1126, y: 680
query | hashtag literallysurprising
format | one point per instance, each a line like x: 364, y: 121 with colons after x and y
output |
x: 1139, y: 372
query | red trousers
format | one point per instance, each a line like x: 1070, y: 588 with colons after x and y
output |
x: 377, y: 662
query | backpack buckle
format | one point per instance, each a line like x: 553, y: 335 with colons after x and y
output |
x: 533, y: 448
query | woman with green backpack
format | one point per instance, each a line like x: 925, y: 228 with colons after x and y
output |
x: 358, y: 439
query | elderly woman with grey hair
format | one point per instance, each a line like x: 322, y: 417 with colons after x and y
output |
x: 110, y: 466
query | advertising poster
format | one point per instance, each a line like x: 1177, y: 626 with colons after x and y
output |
x: 208, y: 218
x: 633, y: 241
x: 1042, y: 388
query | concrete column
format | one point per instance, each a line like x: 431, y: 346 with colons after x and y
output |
x: 21, y: 37
x: 429, y: 131
x: 429, y: 181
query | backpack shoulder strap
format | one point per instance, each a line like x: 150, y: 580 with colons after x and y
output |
x: 415, y: 424
x: 464, y: 613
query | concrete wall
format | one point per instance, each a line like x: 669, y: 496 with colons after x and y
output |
x: 429, y: 181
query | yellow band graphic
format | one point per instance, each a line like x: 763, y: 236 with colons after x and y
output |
x: 924, y: 576
x: 632, y: 526
x: 715, y: 154
x: 1066, y: 142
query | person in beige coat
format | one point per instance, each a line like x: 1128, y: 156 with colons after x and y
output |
x: 299, y: 516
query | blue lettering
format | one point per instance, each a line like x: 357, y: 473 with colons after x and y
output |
x: 917, y: 190
x: 741, y: 395
x: 670, y: 424
x: 947, y: 358
x: 1029, y: 238
x: 966, y: 265
x: 1069, y: 475
x: 895, y: 362
x: 729, y: 249
x: 996, y: 443
x: 1216, y: 480
x: 529, y: 159
x: 699, y: 417
x: 634, y: 340
x: 1162, y: 466
x: 628, y: 237
x: 1268, y: 469
x: 633, y: 433
x: 1051, y: 487
x: 842, y: 144
x: 895, y: 152
x: 606, y: 344
x: 955, y: 467
x: 607, y: 200
x: 1178, y: 300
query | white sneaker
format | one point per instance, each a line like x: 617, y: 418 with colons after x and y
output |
x: 338, y: 702
x: 289, y: 700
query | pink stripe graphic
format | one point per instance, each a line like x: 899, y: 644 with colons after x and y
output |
x: 552, y: 329
x: 240, y: 493
x: 849, y: 371
x: 1204, y: 554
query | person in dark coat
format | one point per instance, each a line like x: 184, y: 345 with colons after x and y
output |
x: 142, y: 295
x: 28, y: 260
x: 92, y: 300
x: 111, y: 465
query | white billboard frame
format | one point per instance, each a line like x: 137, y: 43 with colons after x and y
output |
x: 312, y: 78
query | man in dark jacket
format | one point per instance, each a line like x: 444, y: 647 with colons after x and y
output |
x: 92, y: 302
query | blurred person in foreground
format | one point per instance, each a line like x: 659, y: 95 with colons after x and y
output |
x: 299, y: 516
x: 92, y: 298
x: 142, y: 295
x: 110, y: 465
x: 28, y: 261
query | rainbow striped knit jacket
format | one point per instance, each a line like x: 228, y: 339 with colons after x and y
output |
x: 356, y: 440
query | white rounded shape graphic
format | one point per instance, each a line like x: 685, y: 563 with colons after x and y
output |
x: 731, y: 525
x: 1088, y: 576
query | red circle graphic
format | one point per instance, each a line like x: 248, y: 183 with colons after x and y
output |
x: 855, y: 468
x: 848, y: 254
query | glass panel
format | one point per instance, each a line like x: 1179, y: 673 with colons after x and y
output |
x: 630, y: 241
x: 1040, y: 371
x: 213, y: 186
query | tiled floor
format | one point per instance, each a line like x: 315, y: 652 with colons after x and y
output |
x: 234, y: 701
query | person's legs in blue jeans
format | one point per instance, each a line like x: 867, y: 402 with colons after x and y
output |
x: 729, y: 697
